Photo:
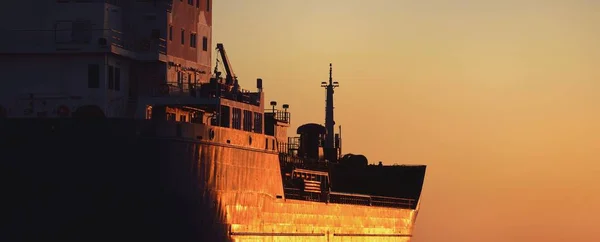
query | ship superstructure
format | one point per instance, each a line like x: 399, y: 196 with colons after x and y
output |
x: 92, y: 56
x: 146, y: 141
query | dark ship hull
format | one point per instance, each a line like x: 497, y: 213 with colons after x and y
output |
x: 117, y: 180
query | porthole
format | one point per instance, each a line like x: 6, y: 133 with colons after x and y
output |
x: 212, y: 134
x: 250, y: 140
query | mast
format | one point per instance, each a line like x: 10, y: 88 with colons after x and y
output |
x: 330, y: 149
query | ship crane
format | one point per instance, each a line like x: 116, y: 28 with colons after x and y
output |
x: 230, y: 78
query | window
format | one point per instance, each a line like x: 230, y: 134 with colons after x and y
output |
x: 247, y: 121
x: 191, y: 2
x: 197, y: 3
x: 258, y: 123
x: 117, y: 79
x: 193, y: 38
x: 93, y: 76
x: 171, y: 116
x: 208, y: 5
x: 171, y: 32
x: 179, y: 77
x: 155, y: 34
x: 225, y: 116
x: 236, y: 121
x: 182, y: 36
x: 204, y: 43
x: 81, y: 31
x: 111, y: 77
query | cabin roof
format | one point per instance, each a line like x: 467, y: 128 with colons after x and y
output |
x: 311, y: 128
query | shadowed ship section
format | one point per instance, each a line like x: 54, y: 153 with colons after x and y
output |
x: 131, y: 137
x: 77, y: 179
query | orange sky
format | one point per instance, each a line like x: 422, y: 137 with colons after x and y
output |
x: 501, y: 99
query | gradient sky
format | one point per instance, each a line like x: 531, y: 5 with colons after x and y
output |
x: 501, y: 99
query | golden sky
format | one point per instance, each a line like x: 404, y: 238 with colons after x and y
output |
x: 501, y: 99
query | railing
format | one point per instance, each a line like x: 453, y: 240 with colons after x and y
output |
x: 288, y: 148
x: 282, y: 116
x: 392, y: 202
x: 343, y: 198
x: 293, y: 143
x: 288, y: 159
x: 298, y: 194
x: 349, y: 198
x: 73, y: 40
x: 169, y: 89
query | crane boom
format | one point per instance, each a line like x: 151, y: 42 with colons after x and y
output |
x: 230, y: 77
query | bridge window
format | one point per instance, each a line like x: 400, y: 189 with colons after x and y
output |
x: 117, y: 79
x: 93, y: 76
x: 193, y: 40
x: 111, y: 77
x: 204, y: 43
x: 248, y: 120
x: 236, y: 119
x: 258, y: 123
x: 225, y: 115
x: 183, y: 36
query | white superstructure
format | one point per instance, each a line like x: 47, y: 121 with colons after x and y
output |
x: 61, y: 56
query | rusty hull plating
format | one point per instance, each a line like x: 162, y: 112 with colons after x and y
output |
x: 191, y: 157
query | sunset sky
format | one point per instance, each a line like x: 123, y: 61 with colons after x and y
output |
x: 501, y: 99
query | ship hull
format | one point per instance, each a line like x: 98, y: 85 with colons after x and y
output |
x: 76, y: 180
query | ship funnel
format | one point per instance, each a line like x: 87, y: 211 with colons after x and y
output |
x: 259, y: 84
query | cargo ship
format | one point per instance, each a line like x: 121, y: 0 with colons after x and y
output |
x: 115, y: 127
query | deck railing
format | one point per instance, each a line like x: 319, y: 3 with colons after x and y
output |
x: 349, y: 198
x: 279, y: 115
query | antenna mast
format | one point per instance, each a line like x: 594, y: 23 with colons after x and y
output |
x: 330, y: 149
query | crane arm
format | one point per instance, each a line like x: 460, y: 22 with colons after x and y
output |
x: 230, y: 77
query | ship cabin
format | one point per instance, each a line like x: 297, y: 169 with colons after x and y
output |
x: 218, y: 102
x: 222, y: 104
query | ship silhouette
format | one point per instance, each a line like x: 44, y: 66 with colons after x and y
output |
x: 114, y: 127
